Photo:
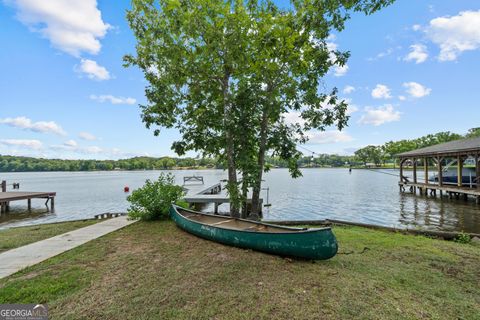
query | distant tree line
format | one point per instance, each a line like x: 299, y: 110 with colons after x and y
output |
x: 25, y: 164
x: 377, y: 155
x: 28, y: 164
x: 380, y: 155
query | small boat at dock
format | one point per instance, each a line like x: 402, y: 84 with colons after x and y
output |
x: 315, y: 244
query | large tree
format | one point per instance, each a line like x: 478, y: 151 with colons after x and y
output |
x: 227, y: 73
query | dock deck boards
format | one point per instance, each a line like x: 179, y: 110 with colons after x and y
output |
x: 446, y: 188
x: 7, y: 197
x: 199, y: 194
x: 17, y: 195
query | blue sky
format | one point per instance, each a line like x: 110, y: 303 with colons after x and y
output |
x: 64, y: 93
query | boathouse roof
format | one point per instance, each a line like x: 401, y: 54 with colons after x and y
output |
x: 464, y: 146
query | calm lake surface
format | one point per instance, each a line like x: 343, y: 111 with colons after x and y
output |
x: 361, y: 196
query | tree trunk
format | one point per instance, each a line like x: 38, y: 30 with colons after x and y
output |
x: 232, y: 185
x: 244, y: 199
x: 260, y: 166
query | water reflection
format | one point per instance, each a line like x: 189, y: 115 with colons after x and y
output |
x: 360, y: 196
x: 438, y: 213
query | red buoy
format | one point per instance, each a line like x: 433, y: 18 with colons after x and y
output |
x: 126, y: 189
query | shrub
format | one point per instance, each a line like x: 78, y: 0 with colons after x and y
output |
x: 153, y: 200
x: 462, y: 238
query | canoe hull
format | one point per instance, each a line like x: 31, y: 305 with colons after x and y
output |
x: 316, y: 244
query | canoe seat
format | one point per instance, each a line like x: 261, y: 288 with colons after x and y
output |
x: 221, y: 222
x: 256, y: 228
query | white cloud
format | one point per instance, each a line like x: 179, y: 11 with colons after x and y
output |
x: 293, y: 117
x: 70, y: 143
x: 70, y: 26
x: 29, y: 144
x: 330, y: 136
x: 87, y: 136
x: 340, y: 71
x: 72, y: 146
x: 416, y: 27
x: 402, y: 98
x: 40, y: 126
x: 351, y: 108
x: 91, y: 150
x: 382, y: 54
x: 93, y: 70
x: 113, y: 99
x: 418, y: 53
x: 380, y: 115
x: 348, y: 89
x: 416, y: 90
x: 381, y: 91
x: 455, y: 34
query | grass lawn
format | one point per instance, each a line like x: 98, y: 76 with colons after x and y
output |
x: 17, y: 237
x: 156, y: 271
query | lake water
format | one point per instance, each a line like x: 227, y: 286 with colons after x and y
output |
x: 361, y: 196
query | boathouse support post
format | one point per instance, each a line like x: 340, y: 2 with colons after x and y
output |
x: 477, y: 170
x: 4, y: 186
x: 425, y: 167
x: 459, y: 171
x: 440, y: 171
x: 401, y: 169
x: 414, y: 160
x: 29, y: 202
x: 401, y: 174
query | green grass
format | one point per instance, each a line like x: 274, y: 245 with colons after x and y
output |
x: 17, y: 237
x: 155, y: 271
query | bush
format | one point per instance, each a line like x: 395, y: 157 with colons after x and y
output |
x: 463, y: 238
x: 153, y: 200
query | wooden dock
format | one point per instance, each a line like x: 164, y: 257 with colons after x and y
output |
x: 7, y: 197
x: 212, y: 194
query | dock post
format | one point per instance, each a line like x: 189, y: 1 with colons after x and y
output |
x: 440, y: 171
x: 477, y: 170
x: 4, y: 186
x: 29, y: 204
x: 425, y: 168
x: 459, y: 171
x: 415, y: 174
x: 401, y: 172
x: 52, y: 204
x: 215, y: 210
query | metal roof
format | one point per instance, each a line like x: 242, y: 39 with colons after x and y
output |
x: 457, y: 146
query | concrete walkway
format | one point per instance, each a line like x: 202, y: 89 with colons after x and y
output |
x: 17, y: 259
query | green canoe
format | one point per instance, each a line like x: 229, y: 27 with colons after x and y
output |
x: 316, y: 244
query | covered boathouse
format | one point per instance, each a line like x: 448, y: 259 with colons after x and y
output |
x: 452, y: 168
